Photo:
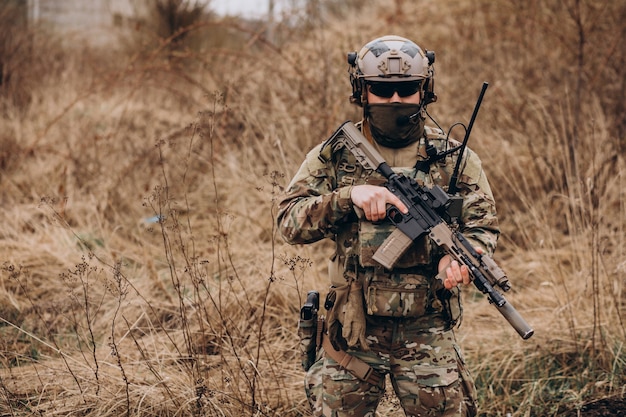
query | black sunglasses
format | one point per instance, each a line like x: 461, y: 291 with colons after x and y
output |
x: 387, y: 90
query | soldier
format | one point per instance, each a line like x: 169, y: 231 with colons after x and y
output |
x: 397, y: 322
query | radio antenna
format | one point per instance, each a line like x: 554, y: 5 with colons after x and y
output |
x: 452, y: 188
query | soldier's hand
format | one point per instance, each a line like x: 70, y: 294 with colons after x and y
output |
x: 454, y: 273
x: 373, y: 200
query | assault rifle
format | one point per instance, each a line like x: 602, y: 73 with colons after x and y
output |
x: 431, y: 211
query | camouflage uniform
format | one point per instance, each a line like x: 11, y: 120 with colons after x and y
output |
x: 409, y: 314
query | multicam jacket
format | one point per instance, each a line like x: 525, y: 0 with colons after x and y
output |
x: 317, y: 204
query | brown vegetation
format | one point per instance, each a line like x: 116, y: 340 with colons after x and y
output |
x: 141, y: 272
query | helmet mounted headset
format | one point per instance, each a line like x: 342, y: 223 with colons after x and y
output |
x: 390, y: 60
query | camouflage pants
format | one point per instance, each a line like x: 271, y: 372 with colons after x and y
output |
x: 426, y: 369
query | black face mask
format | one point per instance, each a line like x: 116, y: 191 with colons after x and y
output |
x: 392, y: 126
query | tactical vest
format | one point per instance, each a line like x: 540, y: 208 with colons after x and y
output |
x: 408, y: 290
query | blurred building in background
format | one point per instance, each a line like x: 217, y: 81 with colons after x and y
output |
x: 92, y: 21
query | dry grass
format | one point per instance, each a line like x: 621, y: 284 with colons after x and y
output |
x: 141, y: 272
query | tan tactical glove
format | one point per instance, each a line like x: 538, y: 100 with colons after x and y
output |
x: 354, y: 318
x: 346, y: 319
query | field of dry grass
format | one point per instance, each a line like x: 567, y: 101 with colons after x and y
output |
x: 140, y: 269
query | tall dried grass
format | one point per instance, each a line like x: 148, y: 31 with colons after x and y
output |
x: 142, y: 273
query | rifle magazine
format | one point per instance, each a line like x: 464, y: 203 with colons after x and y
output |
x: 392, y: 249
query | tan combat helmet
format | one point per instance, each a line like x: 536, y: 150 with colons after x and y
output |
x: 391, y: 59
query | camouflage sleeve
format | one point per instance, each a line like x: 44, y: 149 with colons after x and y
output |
x: 312, y: 205
x: 479, y: 222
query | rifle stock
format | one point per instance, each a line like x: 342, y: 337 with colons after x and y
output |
x: 430, y: 212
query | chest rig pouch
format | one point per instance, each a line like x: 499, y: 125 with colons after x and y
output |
x: 398, y: 294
